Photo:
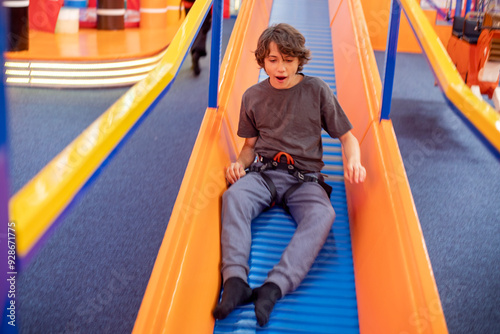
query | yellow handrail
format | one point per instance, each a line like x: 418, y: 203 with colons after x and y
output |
x: 471, y: 108
x: 40, y: 202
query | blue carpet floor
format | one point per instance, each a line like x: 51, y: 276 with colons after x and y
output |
x: 91, y: 275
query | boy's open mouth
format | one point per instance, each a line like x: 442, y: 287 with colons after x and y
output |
x: 281, y: 78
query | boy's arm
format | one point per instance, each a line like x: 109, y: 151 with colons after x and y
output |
x: 354, y: 172
x: 247, y: 155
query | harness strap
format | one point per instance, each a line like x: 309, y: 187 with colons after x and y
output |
x: 272, y: 188
x: 326, y: 186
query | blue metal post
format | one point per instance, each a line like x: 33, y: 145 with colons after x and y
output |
x: 390, y: 59
x: 213, y: 88
x: 8, y: 287
x: 458, y: 8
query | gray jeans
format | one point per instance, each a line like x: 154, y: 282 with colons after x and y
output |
x: 311, y: 209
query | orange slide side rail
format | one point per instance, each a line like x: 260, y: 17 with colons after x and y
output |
x: 395, y: 286
x: 185, y: 282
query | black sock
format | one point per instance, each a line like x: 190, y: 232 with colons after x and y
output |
x: 265, y: 297
x: 236, y: 292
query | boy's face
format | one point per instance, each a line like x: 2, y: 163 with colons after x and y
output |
x: 282, y: 69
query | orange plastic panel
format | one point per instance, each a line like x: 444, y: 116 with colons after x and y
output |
x: 394, y: 280
x: 377, y: 15
x: 157, y: 14
x: 395, y: 286
x: 352, y: 50
x: 95, y: 45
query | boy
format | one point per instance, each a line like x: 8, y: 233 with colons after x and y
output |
x: 281, y: 117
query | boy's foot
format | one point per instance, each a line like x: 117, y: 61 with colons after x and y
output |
x: 236, y: 292
x: 196, y: 63
x: 264, y: 298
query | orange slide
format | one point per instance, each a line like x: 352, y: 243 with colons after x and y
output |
x: 395, y: 287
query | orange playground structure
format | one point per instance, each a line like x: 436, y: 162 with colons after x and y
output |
x: 395, y: 288
x: 394, y: 283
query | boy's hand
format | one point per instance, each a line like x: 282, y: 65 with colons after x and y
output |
x: 234, y: 172
x: 355, y: 172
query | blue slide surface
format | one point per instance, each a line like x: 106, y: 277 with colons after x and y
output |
x: 325, y: 302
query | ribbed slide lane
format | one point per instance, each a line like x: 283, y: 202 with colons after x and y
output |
x: 325, y: 302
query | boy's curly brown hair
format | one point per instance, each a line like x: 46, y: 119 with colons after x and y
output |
x: 289, y: 40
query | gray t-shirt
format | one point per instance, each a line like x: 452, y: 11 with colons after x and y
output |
x: 290, y: 120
